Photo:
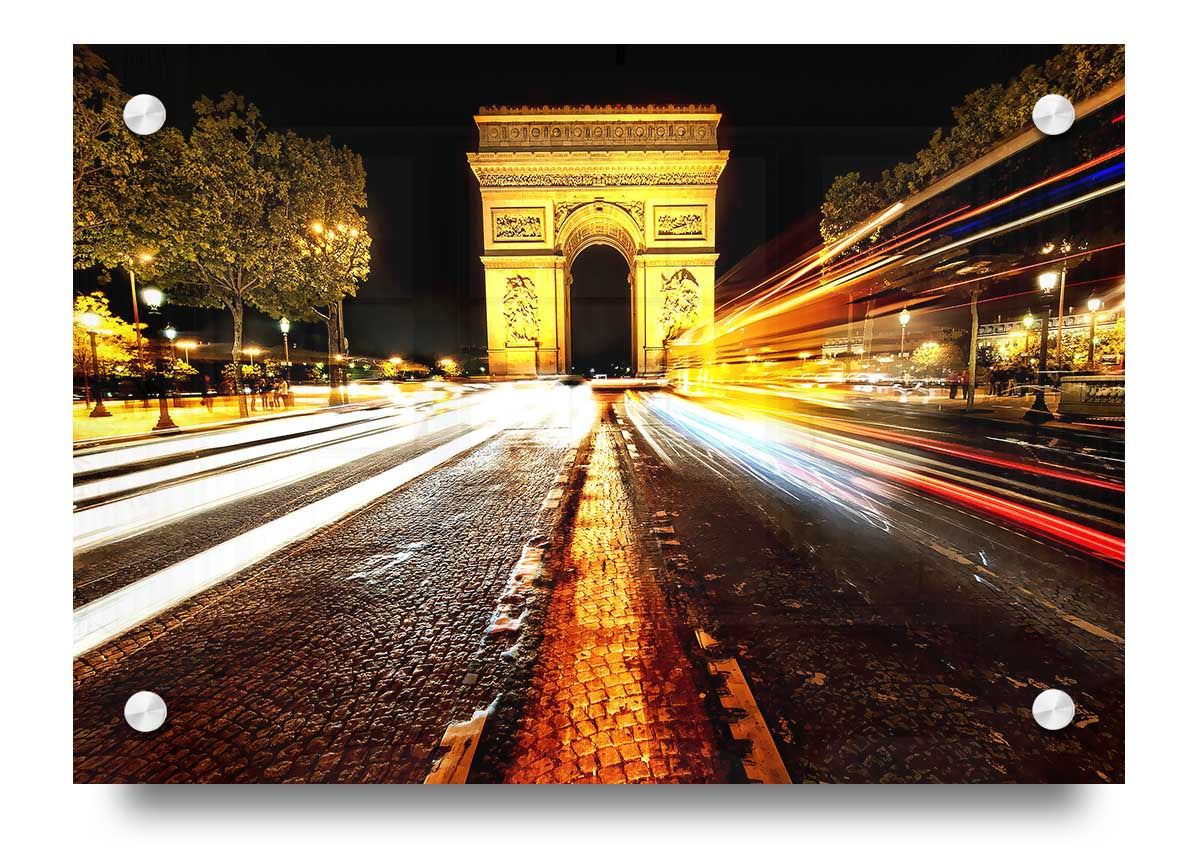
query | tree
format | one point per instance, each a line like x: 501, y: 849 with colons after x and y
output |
x: 984, y: 118
x: 326, y: 196
x: 937, y: 358
x: 105, y: 155
x: 119, y: 192
x: 450, y: 367
x: 227, y: 240
x: 114, y: 339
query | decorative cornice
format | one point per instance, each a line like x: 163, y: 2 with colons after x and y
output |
x: 504, y: 110
x: 590, y: 170
x: 583, y: 129
x: 499, y: 178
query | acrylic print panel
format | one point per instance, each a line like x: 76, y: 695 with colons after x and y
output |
x: 433, y: 423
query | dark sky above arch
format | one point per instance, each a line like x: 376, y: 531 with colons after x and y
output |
x: 794, y: 118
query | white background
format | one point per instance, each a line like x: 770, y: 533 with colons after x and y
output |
x: 1150, y: 817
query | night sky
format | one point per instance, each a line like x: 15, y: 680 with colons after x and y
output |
x: 794, y: 118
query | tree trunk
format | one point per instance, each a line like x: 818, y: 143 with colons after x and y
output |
x: 974, y: 351
x: 236, y: 308
x: 333, y: 346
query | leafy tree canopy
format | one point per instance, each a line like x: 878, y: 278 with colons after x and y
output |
x: 114, y: 337
x: 985, y: 117
x: 326, y: 193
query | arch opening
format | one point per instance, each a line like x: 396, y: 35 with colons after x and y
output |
x: 601, y: 309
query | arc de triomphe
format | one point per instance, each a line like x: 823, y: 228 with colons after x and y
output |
x: 556, y: 180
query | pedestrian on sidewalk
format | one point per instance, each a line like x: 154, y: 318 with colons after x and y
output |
x: 953, y: 386
x: 206, y: 396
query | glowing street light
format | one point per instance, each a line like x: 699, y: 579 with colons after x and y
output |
x: 1038, y: 412
x: 904, y: 318
x: 1028, y: 321
x: 186, y: 346
x: 285, y: 326
x: 91, y: 321
x: 153, y: 297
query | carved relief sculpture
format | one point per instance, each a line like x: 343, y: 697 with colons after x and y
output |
x: 638, y: 210
x: 517, y: 225
x: 521, y: 309
x: 679, y: 225
x: 681, y: 304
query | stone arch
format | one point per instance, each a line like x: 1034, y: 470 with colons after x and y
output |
x: 599, y: 223
x: 554, y: 181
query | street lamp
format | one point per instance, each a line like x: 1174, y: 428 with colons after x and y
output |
x: 1028, y: 321
x: 1038, y: 412
x: 904, y: 318
x: 1093, y: 307
x: 186, y: 346
x: 285, y: 326
x: 153, y: 297
x: 91, y: 322
x: 1047, y: 284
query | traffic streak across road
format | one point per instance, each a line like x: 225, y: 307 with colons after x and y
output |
x: 332, y: 626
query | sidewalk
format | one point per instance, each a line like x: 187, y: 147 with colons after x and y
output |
x: 1001, y: 408
x: 131, y: 418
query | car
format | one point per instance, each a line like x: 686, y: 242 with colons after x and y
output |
x: 572, y: 380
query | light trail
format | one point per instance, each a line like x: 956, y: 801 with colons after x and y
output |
x: 804, y: 462
x: 132, y: 515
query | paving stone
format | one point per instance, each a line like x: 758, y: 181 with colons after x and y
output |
x: 609, y: 646
x: 332, y: 660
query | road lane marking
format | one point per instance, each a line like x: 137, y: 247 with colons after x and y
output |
x: 105, y: 618
x: 461, y: 740
x: 763, y: 763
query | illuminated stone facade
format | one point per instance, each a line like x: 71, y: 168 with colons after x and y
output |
x: 555, y: 181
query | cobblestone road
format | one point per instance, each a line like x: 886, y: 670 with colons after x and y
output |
x: 340, y: 659
x: 613, y: 698
x: 875, y: 660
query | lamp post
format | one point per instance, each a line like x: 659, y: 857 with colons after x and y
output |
x: 153, y: 297
x: 1028, y: 321
x: 171, y: 333
x: 187, y: 346
x: 1046, y: 282
x: 91, y: 322
x: 904, y: 318
x: 285, y: 326
x: 1093, y: 307
x: 1039, y: 412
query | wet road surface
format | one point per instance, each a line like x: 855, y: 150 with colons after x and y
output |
x: 906, y: 653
